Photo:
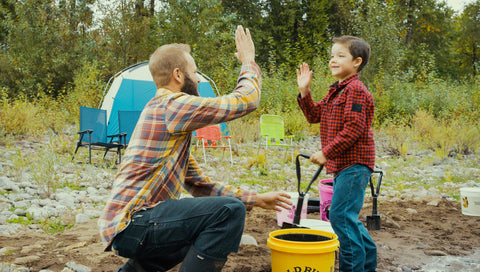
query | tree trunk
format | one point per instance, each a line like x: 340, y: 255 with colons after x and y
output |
x: 474, y: 60
x: 152, y: 7
x: 410, y: 11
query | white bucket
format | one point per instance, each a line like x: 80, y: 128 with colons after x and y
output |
x: 317, y: 224
x: 288, y: 215
x: 470, y: 201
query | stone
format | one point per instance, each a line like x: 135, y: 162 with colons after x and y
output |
x: 411, y: 211
x: 27, y: 260
x: 434, y: 252
x: 78, y: 267
x: 20, y: 212
x: 7, y: 251
x: 248, y: 240
x: 8, y: 185
x: 28, y: 249
x: 81, y: 218
x: 434, y: 202
x: 76, y: 245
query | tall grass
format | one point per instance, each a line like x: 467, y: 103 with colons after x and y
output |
x: 446, y: 137
x: 440, y: 115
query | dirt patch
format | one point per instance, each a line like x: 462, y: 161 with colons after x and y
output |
x: 412, y: 234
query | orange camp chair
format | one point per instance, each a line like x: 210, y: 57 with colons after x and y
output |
x: 211, y: 137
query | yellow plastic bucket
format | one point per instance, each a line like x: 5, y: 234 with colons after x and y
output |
x: 301, y: 250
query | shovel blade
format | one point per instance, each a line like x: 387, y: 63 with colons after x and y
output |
x: 373, y: 222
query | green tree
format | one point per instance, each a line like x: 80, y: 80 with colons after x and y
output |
x: 428, y: 26
x: 7, y: 11
x: 469, y: 39
x: 340, y: 20
x: 206, y: 27
x: 295, y: 31
x: 44, y: 42
x: 377, y: 23
x: 128, y: 34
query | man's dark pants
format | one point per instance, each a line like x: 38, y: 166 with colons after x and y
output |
x: 160, y: 237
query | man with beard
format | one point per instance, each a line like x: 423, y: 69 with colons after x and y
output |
x: 145, y: 219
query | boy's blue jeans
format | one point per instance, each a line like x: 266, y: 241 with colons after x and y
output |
x: 358, y: 252
x: 159, y: 238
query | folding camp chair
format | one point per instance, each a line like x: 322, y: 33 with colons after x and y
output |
x: 211, y: 137
x: 127, y: 120
x: 272, y: 131
x: 93, y: 123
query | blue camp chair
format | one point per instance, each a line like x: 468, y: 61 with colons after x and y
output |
x: 93, y: 133
x: 127, y: 120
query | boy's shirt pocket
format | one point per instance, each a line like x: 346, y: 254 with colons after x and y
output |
x: 336, y: 112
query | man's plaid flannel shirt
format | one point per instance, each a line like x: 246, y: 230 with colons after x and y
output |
x: 157, y: 165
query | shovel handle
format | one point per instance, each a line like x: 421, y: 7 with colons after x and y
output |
x: 297, y: 164
x: 377, y: 191
x: 296, y: 219
x: 299, y: 175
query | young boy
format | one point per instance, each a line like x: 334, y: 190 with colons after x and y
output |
x: 348, y: 151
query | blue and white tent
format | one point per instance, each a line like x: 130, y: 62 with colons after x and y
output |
x: 133, y: 87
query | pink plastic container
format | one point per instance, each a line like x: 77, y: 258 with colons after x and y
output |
x: 289, y: 215
x: 325, y: 188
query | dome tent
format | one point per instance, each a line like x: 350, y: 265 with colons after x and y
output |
x: 132, y: 88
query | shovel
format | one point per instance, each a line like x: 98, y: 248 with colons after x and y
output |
x: 301, y: 195
x: 373, y: 221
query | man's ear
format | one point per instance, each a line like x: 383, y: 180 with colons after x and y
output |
x: 177, y: 75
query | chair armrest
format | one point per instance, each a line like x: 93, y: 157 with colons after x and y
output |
x: 119, y: 136
x: 89, y: 131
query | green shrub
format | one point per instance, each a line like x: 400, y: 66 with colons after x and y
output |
x: 19, y: 118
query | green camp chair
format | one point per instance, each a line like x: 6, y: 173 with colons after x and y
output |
x: 272, y: 131
x: 93, y: 133
x: 127, y: 120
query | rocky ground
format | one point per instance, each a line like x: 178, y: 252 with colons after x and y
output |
x: 423, y: 228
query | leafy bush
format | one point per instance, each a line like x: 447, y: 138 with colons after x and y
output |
x: 19, y: 118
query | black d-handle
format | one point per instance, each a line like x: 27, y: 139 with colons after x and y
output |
x: 299, y: 175
x: 301, y: 195
x: 376, y: 192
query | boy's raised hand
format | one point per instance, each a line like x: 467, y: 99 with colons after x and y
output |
x: 245, y: 47
x: 304, y: 78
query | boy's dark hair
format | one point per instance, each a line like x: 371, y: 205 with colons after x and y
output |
x: 357, y: 46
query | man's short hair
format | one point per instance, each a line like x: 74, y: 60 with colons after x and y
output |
x: 357, y: 46
x: 165, y: 59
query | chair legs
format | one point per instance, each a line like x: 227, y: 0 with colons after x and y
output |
x: 277, y: 144
x: 205, y: 143
x: 230, y: 147
x: 204, y: 152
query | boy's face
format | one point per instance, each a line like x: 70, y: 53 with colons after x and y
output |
x: 342, y: 63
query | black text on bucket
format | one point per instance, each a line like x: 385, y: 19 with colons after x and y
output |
x: 303, y: 269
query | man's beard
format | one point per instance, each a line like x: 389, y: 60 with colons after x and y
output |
x: 189, y: 87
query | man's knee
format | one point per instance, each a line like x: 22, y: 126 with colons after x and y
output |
x: 237, y: 208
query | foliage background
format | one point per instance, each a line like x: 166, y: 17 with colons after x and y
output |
x: 58, y: 55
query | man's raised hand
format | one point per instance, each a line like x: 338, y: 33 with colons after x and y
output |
x: 245, y: 47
